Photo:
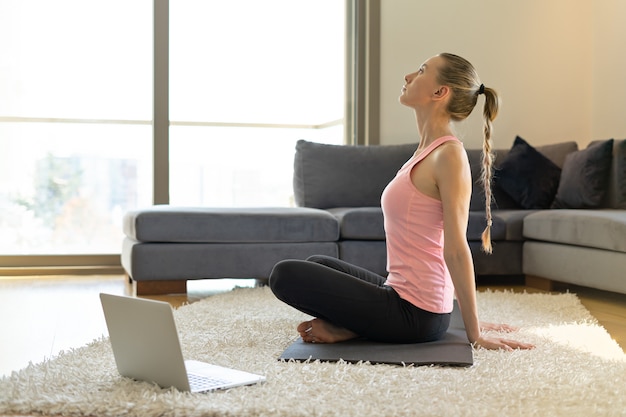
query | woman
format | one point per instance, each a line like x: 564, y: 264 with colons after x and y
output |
x: 426, y: 209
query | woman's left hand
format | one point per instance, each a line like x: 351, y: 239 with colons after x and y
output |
x: 485, y: 327
x: 501, y: 344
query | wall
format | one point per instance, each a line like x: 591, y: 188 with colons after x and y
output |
x: 537, y: 53
x: 609, y: 70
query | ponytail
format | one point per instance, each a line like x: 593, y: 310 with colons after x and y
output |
x: 490, y: 112
x: 463, y: 79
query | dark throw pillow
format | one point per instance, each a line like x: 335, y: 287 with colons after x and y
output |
x: 528, y: 177
x: 585, y: 177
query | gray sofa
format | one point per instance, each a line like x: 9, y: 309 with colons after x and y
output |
x: 337, y: 192
x: 581, y: 247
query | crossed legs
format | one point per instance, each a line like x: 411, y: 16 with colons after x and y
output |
x: 349, y: 302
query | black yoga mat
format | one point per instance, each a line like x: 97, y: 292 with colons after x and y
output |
x: 452, y: 350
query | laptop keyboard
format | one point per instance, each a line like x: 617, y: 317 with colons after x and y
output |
x: 205, y: 383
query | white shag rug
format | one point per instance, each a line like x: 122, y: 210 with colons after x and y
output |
x: 575, y: 370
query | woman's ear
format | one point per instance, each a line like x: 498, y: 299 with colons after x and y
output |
x: 442, y: 92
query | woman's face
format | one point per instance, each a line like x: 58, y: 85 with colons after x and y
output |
x: 420, y: 85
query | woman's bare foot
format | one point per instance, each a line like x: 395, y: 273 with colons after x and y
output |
x: 320, y: 331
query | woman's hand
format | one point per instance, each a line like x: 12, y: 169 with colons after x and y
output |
x: 494, y: 343
x: 485, y: 327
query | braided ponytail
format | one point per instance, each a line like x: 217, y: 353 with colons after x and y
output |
x: 463, y: 79
x: 490, y: 112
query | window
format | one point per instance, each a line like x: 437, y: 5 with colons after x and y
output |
x: 247, y: 80
x: 75, y: 126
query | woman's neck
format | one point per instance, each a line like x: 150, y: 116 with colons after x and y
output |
x: 432, y: 127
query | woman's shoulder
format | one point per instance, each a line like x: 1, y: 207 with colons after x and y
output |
x: 451, y: 160
x: 450, y: 147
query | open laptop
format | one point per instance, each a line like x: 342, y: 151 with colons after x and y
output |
x: 146, y: 347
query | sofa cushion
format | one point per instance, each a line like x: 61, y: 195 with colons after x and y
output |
x: 501, y: 200
x: 529, y: 177
x: 555, y: 152
x: 362, y: 223
x: 584, y: 178
x: 163, y: 223
x: 616, y: 195
x: 507, y: 225
x: 327, y: 176
x: 367, y: 223
x: 602, y: 229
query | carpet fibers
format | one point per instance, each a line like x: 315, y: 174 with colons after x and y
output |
x: 575, y: 370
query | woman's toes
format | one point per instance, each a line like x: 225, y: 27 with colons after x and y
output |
x: 305, y: 328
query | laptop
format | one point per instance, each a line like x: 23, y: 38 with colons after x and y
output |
x: 147, y: 348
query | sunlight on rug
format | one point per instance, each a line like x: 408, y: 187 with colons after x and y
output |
x: 576, y: 369
x: 552, y: 320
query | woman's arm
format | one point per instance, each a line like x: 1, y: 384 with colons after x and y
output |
x: 453, y: 178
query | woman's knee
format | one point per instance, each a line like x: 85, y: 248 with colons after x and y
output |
x: 328, y: 261
x: 283, y: 275
x: 276, y: 275
x: 322, y: 260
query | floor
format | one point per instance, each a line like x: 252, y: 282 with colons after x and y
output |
x: 42, y: 316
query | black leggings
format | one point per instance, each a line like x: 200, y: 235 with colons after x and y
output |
x: 354, y: 298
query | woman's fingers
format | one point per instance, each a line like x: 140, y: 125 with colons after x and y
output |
x: 497, y: 327
x: 514, y: 344
x: 504, y: 344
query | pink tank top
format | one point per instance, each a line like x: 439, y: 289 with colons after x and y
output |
x: 414, y: 231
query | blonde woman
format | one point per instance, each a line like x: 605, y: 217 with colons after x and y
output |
x: 426, y: 209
